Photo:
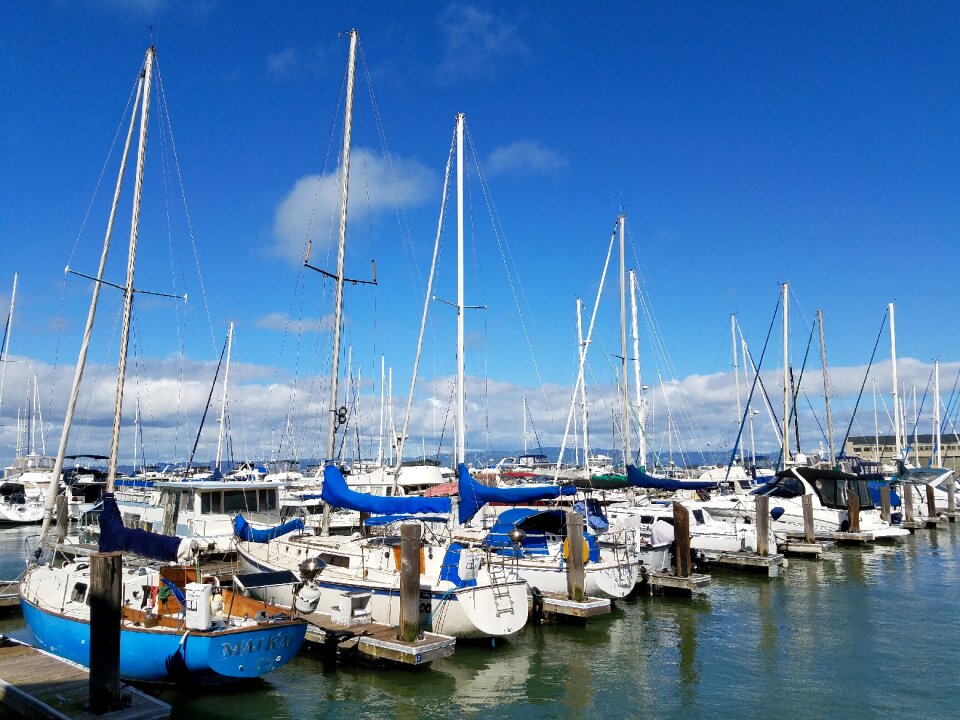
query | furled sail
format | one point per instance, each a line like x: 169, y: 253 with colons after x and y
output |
x: 114, y: 536
x: 336, y: 493
x: 474, y: 496
x: 245, y: 531
x: 638, y: 478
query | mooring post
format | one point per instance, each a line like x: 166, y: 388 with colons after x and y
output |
x: 681, y: 538
x: 409, y: 581
x: 885, y: 503
x: 106, y: 580
x: 951, y: 499
x: 809, y: 536
x: 906, y: 492
x: 63, y: 518
x: 853, y: 510
x: 931, y: 503
x: 763, y: 525
x: 576, y: 576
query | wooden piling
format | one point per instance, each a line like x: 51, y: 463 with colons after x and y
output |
x: 171, y: 512
x: 931, y: 503
x: 906, y: 492
x: 409, y: 581
x: 576, y: 576
x: 885, y: 503
x: 808, y: 535
x: 853, y: 510
x: 105, y: 598
x: 63, y: 518
x: 763, y: 525
x: 681, y: 538
x: 951, y: 497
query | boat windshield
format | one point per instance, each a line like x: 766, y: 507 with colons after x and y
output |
x: 783, y: 487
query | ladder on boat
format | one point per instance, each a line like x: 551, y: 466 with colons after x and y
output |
x: 501, y: 593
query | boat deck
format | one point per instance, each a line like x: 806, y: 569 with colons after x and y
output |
x: 36, y: 684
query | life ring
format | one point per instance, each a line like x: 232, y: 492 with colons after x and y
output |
x: 586, y: 550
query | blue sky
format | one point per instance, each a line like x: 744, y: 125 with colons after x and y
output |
x: 749, y: 144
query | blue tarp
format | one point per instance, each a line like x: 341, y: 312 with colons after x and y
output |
x: 474, y: 496
x: 114, y: 536
x: 336, y: 493
x: 246, y: 532
x: 593, y: 511
x: 537, y: 523
x: 639, y: 478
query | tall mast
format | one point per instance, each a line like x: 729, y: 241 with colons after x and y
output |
x: 223, y: 404
x: 786, y: 378
x: 938, y: 451
x: 341, y: 248
x: 638, y: 388
x: 6, y: 339
x: 736, y: 368
x: 876, y: 425
x: 461, y: 427
x: 524, y: 424
x: 380, y: 442
x: 750, y: 410
x: 897, y: 431
x: 131, y: 264
x: 627, y: 454
x: 826, y: 387
x: 582, y: 350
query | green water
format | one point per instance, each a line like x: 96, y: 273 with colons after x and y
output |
x: 866, y: 633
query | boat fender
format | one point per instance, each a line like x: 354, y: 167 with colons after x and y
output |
x: 216, y: 603
x: 776, y: 512
x: 586, y: 550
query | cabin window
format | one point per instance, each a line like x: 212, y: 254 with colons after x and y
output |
x: 267, y: 499
x: 239, y: 501
x: 211, y: 503
x: 335, y: 560
x: 79, y: 593
x: 698, y: 516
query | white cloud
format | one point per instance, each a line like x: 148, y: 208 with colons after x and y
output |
x: 525, y: 157
x: 282, y: 62
x: 377, y: 185
x: 477, y: 42
x: 279, y: 321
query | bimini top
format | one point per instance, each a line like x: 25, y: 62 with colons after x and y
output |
x: 336, y: 493
x: 474, y: 496
x: 638, y: 478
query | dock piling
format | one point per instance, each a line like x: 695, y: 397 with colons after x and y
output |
x: 885, y: 503
x: 906, y: 490
x: 763, y: 525
x: 808, y: 535
x: 409, y: 581
x: 853, y: 510
x: 576, y: 576
x: 104, y: 596
x: 681, y: 535
x: 63, y: 518
x: 931, y: 503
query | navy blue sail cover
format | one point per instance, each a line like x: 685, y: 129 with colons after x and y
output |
x: 639, y: 478
x: 114, y: 536
x: 474, y: 496
x: 336, y: 493
x: 245, y: 531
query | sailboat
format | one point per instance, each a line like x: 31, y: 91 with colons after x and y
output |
x: 174, y: 623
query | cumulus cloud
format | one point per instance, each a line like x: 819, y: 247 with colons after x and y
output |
x: 525, y: 157
x: 377, y: 185
x: 477, y: 42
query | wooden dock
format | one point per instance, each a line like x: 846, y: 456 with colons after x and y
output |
x: 9, y: 596
x: 551, y: 607
x: 799, y: 548
x: 664, y: 582
x: 746, y: 562
x: 374, y: 642
x: 36, y: 684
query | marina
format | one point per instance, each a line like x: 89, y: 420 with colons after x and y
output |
x: 680, y: 657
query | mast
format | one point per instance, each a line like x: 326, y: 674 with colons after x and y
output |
x: 341, y: 247
x: 582, y: 345
x: 6, y: 339
x: 876, y: 425
x: 131, y: 264
x: 638, y: 388
x: 461, y: 401
x: 736, y: 357
x: 627, y: 454
x: 897, y: 431
x: 786, y: 378
x: 223, y: 404
x: 938, y: 451
x: 524, y: 424
x: 380, y: 442
x: 826, y: 387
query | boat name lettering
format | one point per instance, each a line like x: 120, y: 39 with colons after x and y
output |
x: 260, y: 645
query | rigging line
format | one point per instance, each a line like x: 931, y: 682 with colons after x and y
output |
x: 796, y: 390
x: 772, y: 415
x: 206, y: 408
x: 507, y: 258
x: 952, y: 402
x: 923, y: 401
x: 165, y: 116
x: 753, y: 386
x: 816, y: 419
x: 856, y: 405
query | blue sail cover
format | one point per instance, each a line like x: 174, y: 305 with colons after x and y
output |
x: 114, y: 536
x: 336, y: 493
x: 245, y: 531
x: 639, y: 478
x: 474, y: 496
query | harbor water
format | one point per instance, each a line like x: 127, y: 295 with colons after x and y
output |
x: 867, y: 632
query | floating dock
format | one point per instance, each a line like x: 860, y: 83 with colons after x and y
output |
x: 9, y: 596
x: 746, y: 562
x: 663, y: 582
x: 374, y: 642
x: 36, y: 684
x: 549, y: 607
x: 799, y: 548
